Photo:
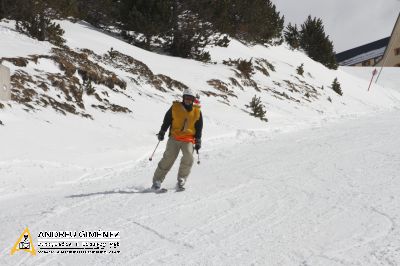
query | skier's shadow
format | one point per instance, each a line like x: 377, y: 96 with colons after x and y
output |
x: 132, y: 191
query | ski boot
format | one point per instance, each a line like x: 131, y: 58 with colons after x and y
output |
x: 156, y: 187
x: 181, y: 184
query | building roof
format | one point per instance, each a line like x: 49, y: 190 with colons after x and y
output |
x: 363, y: 49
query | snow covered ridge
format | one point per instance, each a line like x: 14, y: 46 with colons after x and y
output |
x: 81, y: 72
x: 98, y: 71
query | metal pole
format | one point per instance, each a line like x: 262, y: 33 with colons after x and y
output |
x: 151, y: 157
x: 198, y: 157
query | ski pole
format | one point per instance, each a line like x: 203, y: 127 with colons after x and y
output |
x: 198, y: 157
x: 151, y: 157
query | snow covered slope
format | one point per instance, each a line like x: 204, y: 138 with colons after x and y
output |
x: 322, y: 196
x: 389, y: 77
x: 315, y: 185
x: 291, y: 101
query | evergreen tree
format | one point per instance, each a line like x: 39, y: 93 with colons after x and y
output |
x: 300, y: 70
x: 190, y: 36
x: 252, y: 20
x: 245, y: 67
x: 292, y: 36
x: 180, y: 27
x: 33, y: 20
x: 10, y: 8
x: 336, y: 87
x: 149, y: 17
x: 100, y: 13
x: 67, y: 8
x: 168, y: 22
x: 316, y: 44
x: 264, y: 22
x: 257, y: 108
x: 2, y: 9
x: 71, y: 8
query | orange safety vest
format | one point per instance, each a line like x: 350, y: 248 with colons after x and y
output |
x: 183, y: 121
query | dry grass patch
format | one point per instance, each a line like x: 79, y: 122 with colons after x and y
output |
x: 16, y: 61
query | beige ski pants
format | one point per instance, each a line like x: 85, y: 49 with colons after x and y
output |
x: 169, y: 157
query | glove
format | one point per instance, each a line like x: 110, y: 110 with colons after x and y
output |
x: 197, y: 145
x: 160, y: 135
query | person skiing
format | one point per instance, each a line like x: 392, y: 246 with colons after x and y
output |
x: 185, y: 123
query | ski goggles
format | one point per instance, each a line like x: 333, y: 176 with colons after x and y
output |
x: 188, y: 97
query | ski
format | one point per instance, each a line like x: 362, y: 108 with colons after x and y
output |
x: 178, y: 189
x: 157, y: 191
x: 161, y: 190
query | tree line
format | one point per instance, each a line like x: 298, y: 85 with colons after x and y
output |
x: 176, y: 27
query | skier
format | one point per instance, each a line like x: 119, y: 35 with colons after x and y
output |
x: 185, y: 123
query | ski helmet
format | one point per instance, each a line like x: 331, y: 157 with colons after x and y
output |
x: 189, y: 92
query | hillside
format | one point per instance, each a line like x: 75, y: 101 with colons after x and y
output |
x: 389, y: 77
x: 119, y: 69
x: 140, y: 85
x: 75, y: 154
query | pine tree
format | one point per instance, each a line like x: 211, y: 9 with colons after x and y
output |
x: 98, y: 12
x: 149, y: 17
x: 292, y: 36
x: 68, y: 8
x: 316, y: 44
x: 257, y: 108
x: 252, y: 20
x: 190, y: 36
x: 265, y: 22
x: 33, y: 19
x: 2, y: 9
x: 245, y: 67
x: 71, y: 8
x: 9, y: 8
x: 300, y: 70
x: 336, y: 87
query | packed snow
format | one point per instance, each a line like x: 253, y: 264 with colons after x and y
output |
x: 389, y: 77
x: 316, y: 185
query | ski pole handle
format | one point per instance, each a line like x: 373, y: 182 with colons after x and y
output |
x: 151, y: 157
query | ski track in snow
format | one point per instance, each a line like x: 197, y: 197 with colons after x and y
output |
x: 320, y: 196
